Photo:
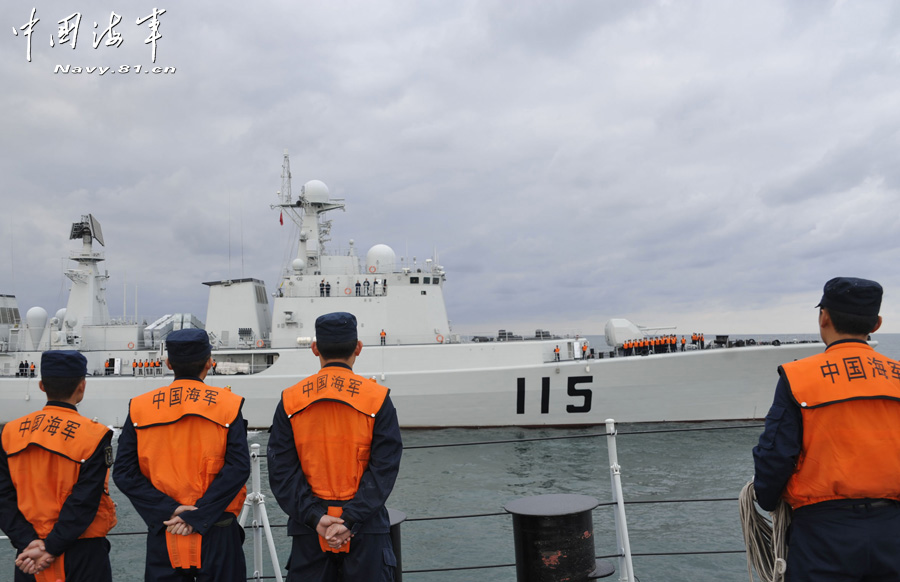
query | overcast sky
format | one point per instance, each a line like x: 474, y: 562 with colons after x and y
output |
x: 700, y: 164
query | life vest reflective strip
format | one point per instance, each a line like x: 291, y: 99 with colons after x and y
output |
x: 192, y: 418
x: 54, y: 441
x: 849, y: 399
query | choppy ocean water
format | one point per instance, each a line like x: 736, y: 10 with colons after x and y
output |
x: 674, y: 540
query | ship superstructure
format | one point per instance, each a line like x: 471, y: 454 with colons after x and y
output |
x: 262, y: 341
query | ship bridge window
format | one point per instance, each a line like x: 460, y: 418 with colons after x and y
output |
x: 414, y: 280
x: 435, y: 281
x: 426, y: 280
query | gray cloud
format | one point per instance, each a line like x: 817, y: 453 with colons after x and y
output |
x: 675, y: 163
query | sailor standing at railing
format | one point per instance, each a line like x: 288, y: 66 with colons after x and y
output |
x: 333, y: 457
x: 54, y: 481
x: 183, y: 461
x: 831, y: 446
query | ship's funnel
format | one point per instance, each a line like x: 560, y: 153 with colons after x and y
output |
x: 36, y: 320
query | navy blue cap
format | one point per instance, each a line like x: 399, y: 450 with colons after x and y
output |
x: 63, y: 364
x: 336, y: 328
x: 188, y: 345
x: 852, y: 295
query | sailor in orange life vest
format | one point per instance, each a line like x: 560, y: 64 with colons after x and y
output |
x: 54, y: 482
x: 831, y: 446
x: 183, y: 461
x: 333, y: 456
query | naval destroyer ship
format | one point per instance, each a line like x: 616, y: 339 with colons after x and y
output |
x: 437, y: 378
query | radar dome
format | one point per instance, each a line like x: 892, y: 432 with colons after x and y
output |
x: 36, y: 319
x: 380, y: 259
x: 298, y: 265
x: 315, y: 191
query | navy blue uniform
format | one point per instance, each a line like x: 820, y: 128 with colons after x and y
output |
x: 371, y: 557
x: 85, y: 560
x: 222, y: 535
x: 832, y: 541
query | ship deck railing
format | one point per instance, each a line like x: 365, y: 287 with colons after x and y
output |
x: 260, y: 527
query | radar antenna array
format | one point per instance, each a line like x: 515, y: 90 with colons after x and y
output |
x: 88, y: 226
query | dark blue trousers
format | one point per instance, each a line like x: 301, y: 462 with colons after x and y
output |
x: 370, y: 559
x: 221, y: 554
x: 845, y: 541
x: 86, y: 560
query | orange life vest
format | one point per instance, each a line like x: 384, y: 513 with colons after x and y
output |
x: 191, y: 418
x: 334, y: 437
x: 46, y: 449
x: 849, y: 398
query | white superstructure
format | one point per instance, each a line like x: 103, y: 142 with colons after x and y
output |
x: 261, y: 345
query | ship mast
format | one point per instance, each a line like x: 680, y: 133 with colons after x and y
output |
x: 87, y: 298
x: 306, y: 213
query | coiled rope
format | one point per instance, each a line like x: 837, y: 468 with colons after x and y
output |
x: 766, y: 541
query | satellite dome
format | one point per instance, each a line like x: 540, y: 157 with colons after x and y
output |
x: 298, y: 265
x: 315, y: 191
x: 36, y: 319
x: 380, y: 259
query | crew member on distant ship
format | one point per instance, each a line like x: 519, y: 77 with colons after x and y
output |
x: 22, y: 367
x: 383, y: 337
x: 584, y: 351
x: 32, y: 369
x: 134, y: 367
x: 357, y: 287
x: 556, y: 353
x: 830, y: 446
x: 322, y: 288
x: 702, y: 341
x: 327, y: 289
x: 366, y: 286
x: 683, y: 341
x: 334, y: 455
x: 384, y: 286
x: 54, y: 475
x: 183, y: 461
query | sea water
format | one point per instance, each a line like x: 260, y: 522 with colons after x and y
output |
x: 666, y: 468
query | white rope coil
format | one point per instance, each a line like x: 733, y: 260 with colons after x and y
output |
x: 765, y: 540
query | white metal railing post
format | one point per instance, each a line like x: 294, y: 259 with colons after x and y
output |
x: 626, y: 568
x: 256, y: 502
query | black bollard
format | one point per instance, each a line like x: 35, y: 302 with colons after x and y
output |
x: 554, y: 538
x: 397, y: 517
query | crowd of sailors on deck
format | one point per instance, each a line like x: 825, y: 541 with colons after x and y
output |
x: 662, y: 344
x: 142, y: 368
x: 364, y: 289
